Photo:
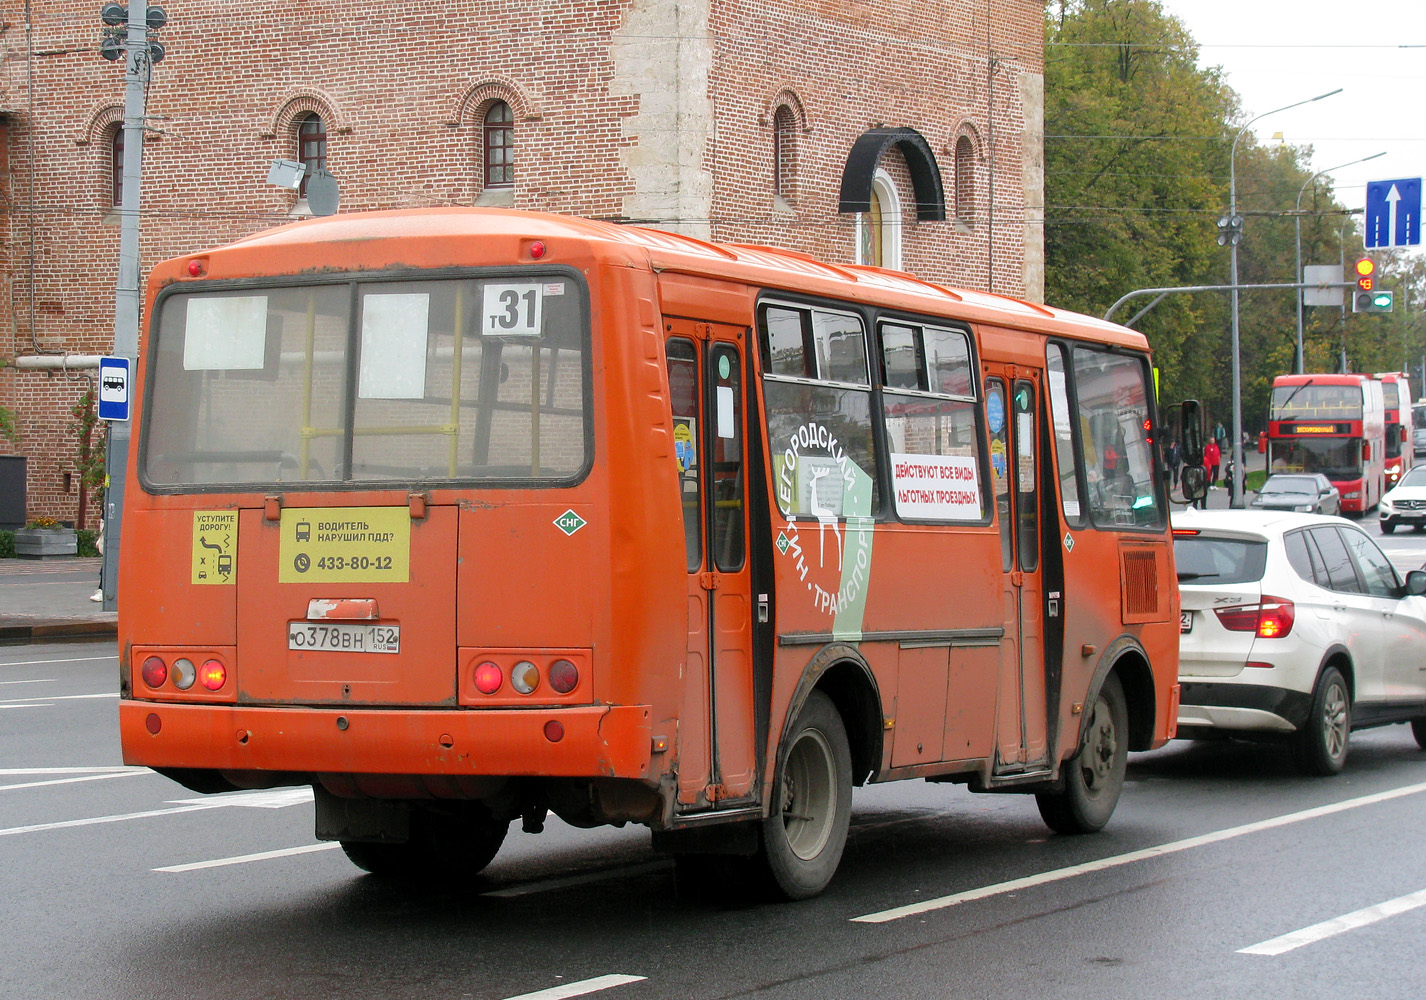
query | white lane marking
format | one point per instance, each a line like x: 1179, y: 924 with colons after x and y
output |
x: 579, y: 989
x: 1029, y: 881
x: 243, y: 859
x: 262, y: 800
x: 37, y: 704
x: 95, y: 820
x: 71, y: 781
x: 57, y: 697
x: 73, y: 659
x: 275, y: 798
x: 1337, y: 925
x: 36, y: 680
x: 569, y: 880
x: 101, y: 769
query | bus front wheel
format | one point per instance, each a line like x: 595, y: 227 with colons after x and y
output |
x: 806, y: 829
x: 444, y: 846
x: 1094, y: 777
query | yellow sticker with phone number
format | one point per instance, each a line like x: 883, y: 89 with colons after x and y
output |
x: 345, y: 545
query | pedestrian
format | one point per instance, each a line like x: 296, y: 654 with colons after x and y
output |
x: 1212, y: 456
x: 1173, y: 458
x: 1220, y: 434
x: 98, y: 595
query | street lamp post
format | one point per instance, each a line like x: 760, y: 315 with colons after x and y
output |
x: 1297, y: 222
x: 1235, y: 488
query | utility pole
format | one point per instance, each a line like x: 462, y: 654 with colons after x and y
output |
x: 138, y: 64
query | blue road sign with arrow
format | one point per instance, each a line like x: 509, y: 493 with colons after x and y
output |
x: 1393, y: 213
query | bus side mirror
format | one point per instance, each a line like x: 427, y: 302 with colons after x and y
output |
x: 1262, y: 442
x: 1191, y: 421
x: 1366, y: 451
x: 1194, y: 482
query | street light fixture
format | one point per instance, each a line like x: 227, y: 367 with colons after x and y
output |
x: 1235, y: 487
x: 1297, y: 221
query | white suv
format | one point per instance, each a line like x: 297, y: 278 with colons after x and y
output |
x: 1295, y: 626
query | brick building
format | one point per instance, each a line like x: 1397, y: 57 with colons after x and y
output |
x: 906, y: 134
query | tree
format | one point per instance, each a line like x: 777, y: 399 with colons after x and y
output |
x: 1137, y: 146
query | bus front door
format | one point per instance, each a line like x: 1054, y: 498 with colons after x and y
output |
x: 716, y: 759
x: 1011, y: 400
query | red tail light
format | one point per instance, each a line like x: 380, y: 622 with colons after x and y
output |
x: 564, y: 676
x: 154, y: 672
x: 488, y: 678
x: 1271, y: 618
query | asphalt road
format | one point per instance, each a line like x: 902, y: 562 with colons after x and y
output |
x: 116, y: 883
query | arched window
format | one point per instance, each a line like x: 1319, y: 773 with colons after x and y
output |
x: 116, y: 166
x: 879, y: 229
x: 784, y: 153
x: 311, y: 147
x: 499, y: 146
x: 965, y: 181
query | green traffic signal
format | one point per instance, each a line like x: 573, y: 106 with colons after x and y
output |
x: 1379, y: 301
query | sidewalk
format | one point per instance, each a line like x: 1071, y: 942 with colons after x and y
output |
x: 44, y: 600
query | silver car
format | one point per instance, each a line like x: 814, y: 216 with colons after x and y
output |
x: 1305, y: 493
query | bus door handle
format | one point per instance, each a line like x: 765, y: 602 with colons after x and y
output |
x: 1017, y: 578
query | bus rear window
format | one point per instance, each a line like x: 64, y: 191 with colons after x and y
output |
x: 369, y: 382
x: 1204, y: 559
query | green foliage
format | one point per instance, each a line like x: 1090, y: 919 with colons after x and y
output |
x: 89, y: 462
x: 1137, y: 154
x: 8, y: 428
x: 7, y: 545
x: 86, y: 538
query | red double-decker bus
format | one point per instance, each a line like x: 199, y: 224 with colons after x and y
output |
x: 1396, y: 401
x: 1335, y: 425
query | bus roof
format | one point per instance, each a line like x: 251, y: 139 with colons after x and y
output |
x: 1333, y: 378
x: 761, y: 266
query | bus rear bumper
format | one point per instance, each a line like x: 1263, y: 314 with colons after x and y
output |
x: 598, y: 741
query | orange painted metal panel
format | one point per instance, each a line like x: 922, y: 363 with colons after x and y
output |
x: 422, y: 673
x: 611, y: 741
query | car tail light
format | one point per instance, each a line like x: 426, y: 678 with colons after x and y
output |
x: 1271, y: 618
x: 564, y: 676
x: 488, y: 678
x: 525, y: 677
x: 154, y: 672
x: 213, y: 675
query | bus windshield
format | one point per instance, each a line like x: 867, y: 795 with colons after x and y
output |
x: 1336, y: 458
x: 1310, y: 401
x: 368, y: 382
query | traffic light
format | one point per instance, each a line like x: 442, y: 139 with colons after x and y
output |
x: 115, y: 17
x: 1368, y: 298
x: 1378, y: 301
x: 1366, y: 274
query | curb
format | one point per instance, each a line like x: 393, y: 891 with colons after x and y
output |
x: 14, y: 635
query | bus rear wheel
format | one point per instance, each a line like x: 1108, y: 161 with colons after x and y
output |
x: 1094, y: 777
x: 444, y: 846
x: 803, y: 836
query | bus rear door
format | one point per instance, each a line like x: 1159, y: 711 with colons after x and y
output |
x: 717, y: 760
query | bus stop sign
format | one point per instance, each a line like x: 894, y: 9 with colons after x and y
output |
x: 113, y: 388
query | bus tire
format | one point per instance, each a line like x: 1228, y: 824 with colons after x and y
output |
x: 801, y: 840
x: 443, y: 847
x: 1319, y: 747
x: 1093, y: 777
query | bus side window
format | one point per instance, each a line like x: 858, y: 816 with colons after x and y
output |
x: 1120, y: 471
x: 683, y: 395
x: 1064, y: 436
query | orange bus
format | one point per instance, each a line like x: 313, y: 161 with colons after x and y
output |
x: 462, y: 516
